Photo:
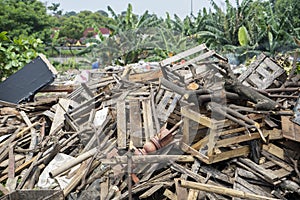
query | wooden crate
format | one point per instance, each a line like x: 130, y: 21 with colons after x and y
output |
x: 188, y: 65
x: 262, y: 73
x: 224, y: 139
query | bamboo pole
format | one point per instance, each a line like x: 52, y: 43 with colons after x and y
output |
x: 221, y: 190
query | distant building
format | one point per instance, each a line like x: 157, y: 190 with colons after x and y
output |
x: 90, y: 32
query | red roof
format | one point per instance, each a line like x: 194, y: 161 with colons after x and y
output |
x: 104, y: 31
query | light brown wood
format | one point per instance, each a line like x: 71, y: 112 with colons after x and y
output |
x: 147, y: 76
x: 170, y: 195
x: 268, y: 175
x: 240, y: 151
x: 222, y: 190
x: 148, y: 120
x: 275, y: 150
x: 121, y: 125
x: 193, y: 194
x: 180, y: 191
x: 151, y: 191
x: 58, y: 88
x: 197, y: 117
x: 104, y: 187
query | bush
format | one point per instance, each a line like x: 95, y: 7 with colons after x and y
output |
x: 16, y: 52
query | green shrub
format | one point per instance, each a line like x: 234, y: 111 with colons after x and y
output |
x: 16, y: 52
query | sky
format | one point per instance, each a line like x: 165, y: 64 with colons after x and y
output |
x: 159, y: 7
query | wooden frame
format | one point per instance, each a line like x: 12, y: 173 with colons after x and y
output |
x: 208, y: 149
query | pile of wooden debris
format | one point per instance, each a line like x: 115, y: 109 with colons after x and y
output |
x: 187, y: 128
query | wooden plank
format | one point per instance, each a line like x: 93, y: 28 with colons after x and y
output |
x: 186, y: 130
x: 221, y: 190
x: 269, y: 176
x: 216, y: 174
x: 136, y: 134
x: 161, y: 107
x: 58, y: 88
x: 240, y: 151
x: 148, y: 120
x: 186, y: 148
x: 182, y: 55
x: 146, y: 76
x: 193, y: 194
x: 290, y: 130
x: 151, y: 191
x: 158, y: 95
x: 176, y: 98
x: 277, y: 161
x: 121, y: 125
x: 58, y: 121
x: 204, y: 140
x: 170, y: 195
x: 212, y: 140
x: 275, y: 150
x: 104, y: 188
x: 268, y: 164
x: 197, y: 117
x: 149, y: 159
x: 180, y: 191
x: 154, y: 113
x: 281, y: 173
x: 33, y: 142
x: 237, y: 139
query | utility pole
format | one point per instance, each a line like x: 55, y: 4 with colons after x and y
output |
x: 191, y: 7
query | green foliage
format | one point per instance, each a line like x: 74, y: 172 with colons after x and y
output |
x: 243, y: 36
x: 19, y: 17
x: 16, y: 52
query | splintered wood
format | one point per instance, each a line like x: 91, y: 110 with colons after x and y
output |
x: 185, y: 128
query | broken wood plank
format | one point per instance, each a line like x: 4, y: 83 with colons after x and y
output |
x: 270, y: 177
x: 136, y: 134
x: 181, y: 192
x: 151, y: 191
x: 148, y: 120
x: 58, y: 88
x: 58, y: 120
x: 146, y: 76
x: 121, y: 125
x: 169, y: 194
x: 221, y: 190
x: 149, y: 159
x: 290, y: 130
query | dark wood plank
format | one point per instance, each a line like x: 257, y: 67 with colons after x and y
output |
x: 136, y: 135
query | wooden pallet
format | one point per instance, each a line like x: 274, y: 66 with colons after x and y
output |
x: 262, y: 73
x: 166, y: 102
x: 224, y: 139
x: 135, y: 122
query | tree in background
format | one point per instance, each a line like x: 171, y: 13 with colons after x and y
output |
x: 28, y: 18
